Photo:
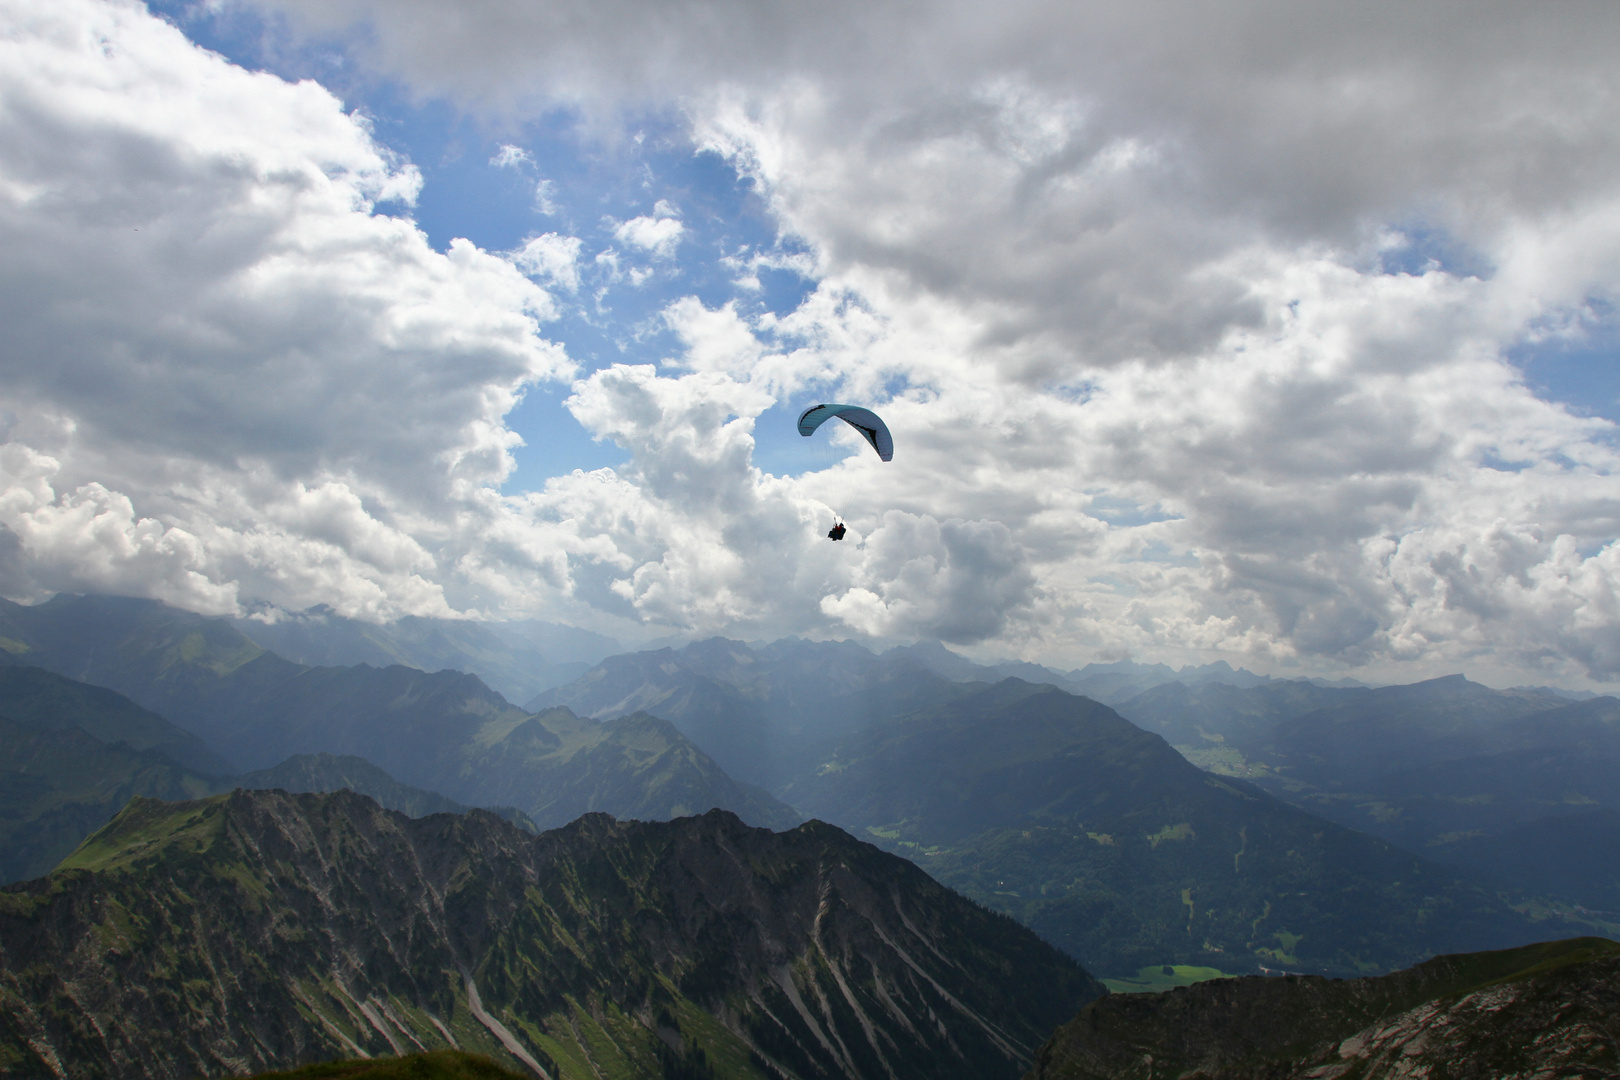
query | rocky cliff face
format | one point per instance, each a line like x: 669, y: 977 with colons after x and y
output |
x: 263, y: 930
x: 1541, y: 1011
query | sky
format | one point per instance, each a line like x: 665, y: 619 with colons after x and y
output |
x: 1284, y: 334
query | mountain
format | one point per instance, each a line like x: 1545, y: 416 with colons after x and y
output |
x: 761, y: 710
x: 58, y: 785
x: 263, y: 930
x: 445, y: 732
x: 1109, y: 683
x: 44, y: 700
x: 1374, y: 732
x: 516, y: 659
x: 557, y: 766
x: 1123, y: 679
x: 1543, y: 1010
x: 1102, y: 838
x: 1215, y: 718
x: 760, y: 713
x: 79, y: 753
x: 1446, y: 767
x: 1574, y: 854
x: 72, y: 755
x: 323, y: 773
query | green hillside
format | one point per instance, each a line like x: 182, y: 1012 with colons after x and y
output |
x: 58, y: 785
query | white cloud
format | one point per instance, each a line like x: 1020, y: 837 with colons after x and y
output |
x: 545, y: 197
x: 1113, y: 274
x: 552, y: 258
x: 658, y: 234
x: 511, y: 157
x: 229, y: 372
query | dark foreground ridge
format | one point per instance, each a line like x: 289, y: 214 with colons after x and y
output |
x: 433, y: 1065
x: 1547, y: 1010
x: 262, y: 930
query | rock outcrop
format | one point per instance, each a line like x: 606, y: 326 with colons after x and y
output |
x: 1548, y: 1010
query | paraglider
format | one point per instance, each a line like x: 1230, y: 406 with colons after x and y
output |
x: 865, y: 421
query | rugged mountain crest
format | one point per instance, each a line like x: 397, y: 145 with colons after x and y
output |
x: 1543, y: 1010
x: 261, y: 930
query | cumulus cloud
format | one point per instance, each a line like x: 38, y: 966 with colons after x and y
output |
x: 1190, y: 323
x: 955, y: 580
x: 658, y: 233
x: 227, y: 366
x: 552, y: 258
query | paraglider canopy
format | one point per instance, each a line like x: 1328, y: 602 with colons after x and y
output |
x: 865, y: 421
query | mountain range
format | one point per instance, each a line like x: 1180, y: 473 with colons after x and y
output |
x: 1520, y: 785
x: 72, y: 755
x: 263, y: 929
x: 1054, y: 808
x: 515, y: 659
x: 444, y: 732
x: 1028, y: 798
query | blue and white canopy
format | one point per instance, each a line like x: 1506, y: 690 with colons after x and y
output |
x: 865, y: 421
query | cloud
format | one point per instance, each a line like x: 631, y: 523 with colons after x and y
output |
x: 552, y: 258
x: 954, y: 580
x: 228, y: 368
x: 658, y: 234
x: 1191, y: 325
x: 511, y: 157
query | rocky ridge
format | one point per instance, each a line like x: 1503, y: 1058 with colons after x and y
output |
x: 1547, y: 1010
x: 262, y: 930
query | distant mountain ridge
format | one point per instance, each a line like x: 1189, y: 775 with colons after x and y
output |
x: 1446, y: 767
x: 759, y: 712
x: 515, y: 659
x: 1099, y: 835
x: 1001, y: 791
x: 444, y: 732
x: 261, y: 929
x: 81, y: 752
